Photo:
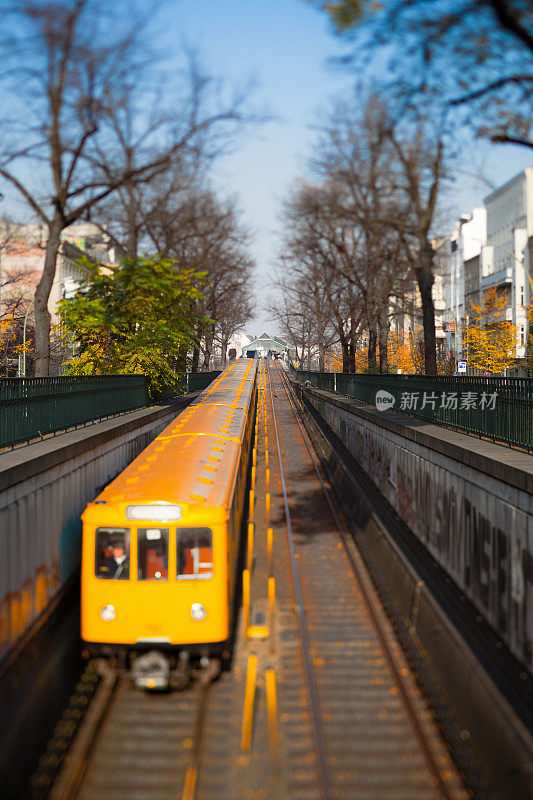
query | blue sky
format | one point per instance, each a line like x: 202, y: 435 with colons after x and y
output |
x: 287, y: 46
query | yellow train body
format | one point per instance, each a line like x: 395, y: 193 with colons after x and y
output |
x: 160, y: 543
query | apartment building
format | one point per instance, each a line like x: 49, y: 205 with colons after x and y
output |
x: 506, y: 256
x: 22, y: 252
x: 491, y: 247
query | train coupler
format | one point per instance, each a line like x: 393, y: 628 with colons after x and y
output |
x: 152, y: 672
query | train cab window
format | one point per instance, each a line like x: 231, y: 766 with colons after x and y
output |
x: 112, y: 553
x: 152, y: 554
x: 195, y: 553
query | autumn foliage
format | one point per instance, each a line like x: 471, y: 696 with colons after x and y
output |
x: 489, y: 340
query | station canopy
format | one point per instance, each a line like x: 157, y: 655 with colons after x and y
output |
x: 267, y: 343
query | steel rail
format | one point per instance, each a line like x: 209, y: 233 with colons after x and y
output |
x: 372, y: 610
x: 314, y: 703
x: 191, y: 776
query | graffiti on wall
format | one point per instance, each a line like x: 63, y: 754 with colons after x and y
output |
x: 484, y: 543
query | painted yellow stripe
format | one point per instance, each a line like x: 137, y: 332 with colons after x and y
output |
x: 272, y: 714
x: 270, y: 542
x: 251, y: 506
x: 257, y: 632
x: 246, y: 597
x: 249, y: 698
x: 250, y: 552
x: 271, y: 601
x: 189, y: 784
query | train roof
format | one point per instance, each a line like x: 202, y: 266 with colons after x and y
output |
x: 190, y: 461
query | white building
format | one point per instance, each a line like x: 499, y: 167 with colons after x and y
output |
x: 505, y: 260
x: 462, y: 277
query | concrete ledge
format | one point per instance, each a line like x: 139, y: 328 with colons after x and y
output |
x: 500, y: 462
x: 32, y: 459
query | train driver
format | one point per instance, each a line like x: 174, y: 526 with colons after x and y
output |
x: 112, y: 560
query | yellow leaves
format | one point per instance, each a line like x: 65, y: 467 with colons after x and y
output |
x: 401, y: 353
x: 489, y: 340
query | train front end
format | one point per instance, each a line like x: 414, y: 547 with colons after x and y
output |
x: 154, y: 577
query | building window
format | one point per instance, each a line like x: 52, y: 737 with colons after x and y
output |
x: 522, y: 336
x: 521, y: 295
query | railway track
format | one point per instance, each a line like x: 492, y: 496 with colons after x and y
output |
x: 348, y: 720
x: 373, y: 733
x: 137, y: 745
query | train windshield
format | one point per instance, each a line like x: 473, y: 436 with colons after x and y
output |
x: 152, y: 550
x: 112, y: 553
x: 195, y: 553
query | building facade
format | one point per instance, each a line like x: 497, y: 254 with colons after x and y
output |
x: 505, y: 261
x: 491, y: 249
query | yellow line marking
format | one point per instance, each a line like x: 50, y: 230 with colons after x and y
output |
x: 253, y: 477
x: 251, y: 506
x: 257, y: 632
x: 272, y: 712
x: 246, y: 597
x: 250, y: 552
x: 249, y: 698
x: 267, y: 504
x: 271, y: 600
x: 270, y: 542
x: 266, y: 458
x: 267, y: 477
x: 254, y: 457
x: 189, y: 784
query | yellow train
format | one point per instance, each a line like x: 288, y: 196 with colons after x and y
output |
x: 161, y: 542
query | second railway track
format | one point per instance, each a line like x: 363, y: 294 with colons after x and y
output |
x: 374, y: 735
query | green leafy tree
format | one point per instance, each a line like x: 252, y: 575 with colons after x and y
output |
x: 139, y: 317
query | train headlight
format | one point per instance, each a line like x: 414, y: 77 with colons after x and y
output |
x: 108, y: 613
x: 198, y: 612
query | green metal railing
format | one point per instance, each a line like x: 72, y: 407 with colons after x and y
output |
x: 198, y: 381
x: 500, y: 409
x: 33, y: 407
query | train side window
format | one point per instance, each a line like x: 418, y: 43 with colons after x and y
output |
x: 152, y: 554
x: 195, y: 553
x: 112, y: 553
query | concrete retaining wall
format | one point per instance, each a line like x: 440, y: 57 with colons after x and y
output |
x: 470, y: 502
x: 44, y: 488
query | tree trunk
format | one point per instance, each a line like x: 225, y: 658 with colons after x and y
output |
x: 345, y: 355
x: 351, y: 359
x: 425, y: 280
x: 224, y: 348
x: 195, y: 358
x: 372, y: 351
x: 207, y: 352
x: 383, y: 345
x: 353, y: 343
x: 131, y: 211
x: 42, y: 295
